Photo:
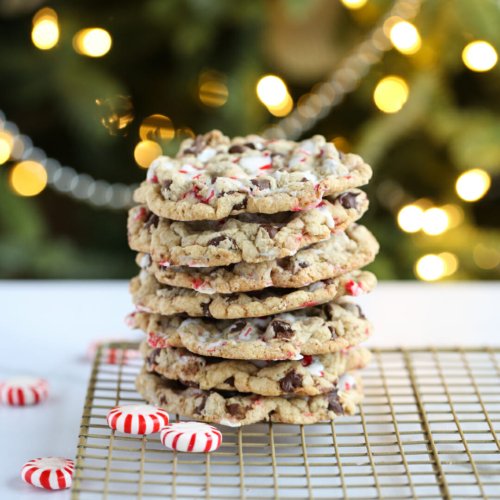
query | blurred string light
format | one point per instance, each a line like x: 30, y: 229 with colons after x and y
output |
x: 354, y: 4
x: 435, y: 221
x: 450, y: 262
x: 411, y: 218
x: 157, y: 128
x: 92, y: 42
x: 405, y: 37
x: 6, y: 144
x: 346, y: 77
x: 485, y: 257
x: 45, y: 33
x: 283, y: 108
x: 430, y: 267
x: 146, y: 152
x: 272, y: 90
x: 65, y: 180
x: 390, y: 94
x: 342, y: 144
x: 473, y: 184
x: 212, y: 88
x: 28, y: 178
x: 479, y: 56
x: 184, y: 133
x: 454, y: 213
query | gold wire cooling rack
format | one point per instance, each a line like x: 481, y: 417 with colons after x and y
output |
x: 426, y: 429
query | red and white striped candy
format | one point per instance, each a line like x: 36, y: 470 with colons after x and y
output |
x: 196, y: 437
x: 112, y: 355
x: 22, y: 391
x: 51, y: 473
x: 137, y: 419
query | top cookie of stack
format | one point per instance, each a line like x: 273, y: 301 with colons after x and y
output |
x: 213, y: 177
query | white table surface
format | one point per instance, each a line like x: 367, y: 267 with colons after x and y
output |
x: 46, y: 328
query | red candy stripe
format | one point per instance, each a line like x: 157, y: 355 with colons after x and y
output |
x: 194, y: 437
x: 137, y: 419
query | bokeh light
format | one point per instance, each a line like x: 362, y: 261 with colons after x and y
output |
x: 354, y: 4
x: 411, y: 218
x: 45, y: 34
x: 213, y: 93
x: 28, y: 178
x: 405, y: 37
x: 146, y: 152
x: 157, y: 128
x: 184, y: 133
x: 272, y: 90
x: 282, y: 109
x: 450, y: 262
x: 479, y: 56
x: 473, y: 184
x: 92, y: 42
x: 342, y: 144
x: 435, y: 221
x: 486, y: 257
x: 455, y: 214
x: 390, y: 94
x: 6, y: 145
x: 430, y: 268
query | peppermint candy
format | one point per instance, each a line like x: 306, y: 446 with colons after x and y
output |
x: 137, y: 419
x: 23, y: 391
x: 196, y: 437
x: 50, y: 473
x: 112, y: 355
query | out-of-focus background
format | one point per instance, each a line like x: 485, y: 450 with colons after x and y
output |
x: 91, y: 92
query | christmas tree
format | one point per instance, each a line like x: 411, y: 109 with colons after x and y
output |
x: 411, y: 86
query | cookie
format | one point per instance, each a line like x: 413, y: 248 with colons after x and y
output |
x: 149, y: 295
x: 342, y: 253
x: 310, y: 376
x: 245, y: 237
x: 317, y: 330
x: 213, y: 177
x: 234, y: 409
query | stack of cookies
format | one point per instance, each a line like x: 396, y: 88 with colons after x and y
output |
x: 249, y: 253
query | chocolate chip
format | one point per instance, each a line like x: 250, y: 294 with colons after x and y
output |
x: 214, y: 242
x: 341, y: 155
x: 189, y: 383
x: 360, y: 312
x: 152, y: 221
x: 189, y: 151
x: 349, y: 200
x: 236, y: 149
x: 241, y: 206
x: 229, y: 381
x: 162, y: 399
x: 232, y: 298
x: 261, y: 183
x: 151, y: 357
x: 167, y: 184
x: 282, y: 329
x: 334, y: 403
x: 271, y: 230
x: 328, y: 281
x: 226, y: 193
x: 199, y: 143
x: 214, y: 178
x: 303, y: 264
x: 250, y: 145
x: 201, y: 406
x: 276, y: 155
x: 333, y: 332
x: 234, y: 409
x: 303, y: 179
x: 238, y: 326
x: 284, y: 262
x: 291, y: 381
x: 206, y: 310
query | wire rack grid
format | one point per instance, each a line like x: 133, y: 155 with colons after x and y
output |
x: 426, y: 429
